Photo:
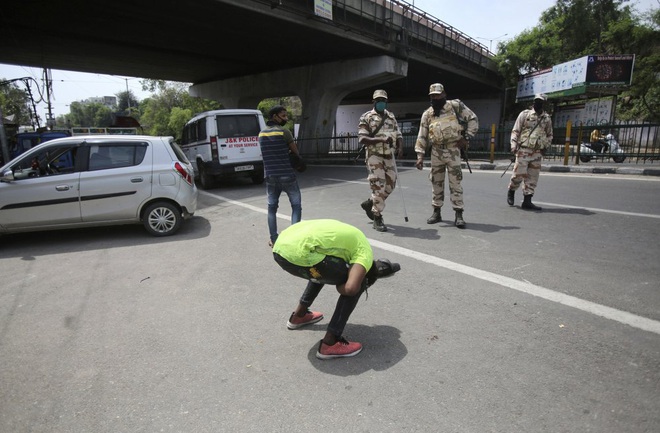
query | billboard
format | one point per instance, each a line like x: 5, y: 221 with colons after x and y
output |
x: 574, y: 76
x: 323, y: 8
x: 610, y: 70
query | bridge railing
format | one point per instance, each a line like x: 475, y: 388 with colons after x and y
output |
x: 640, y: 142
x: 411, y: 29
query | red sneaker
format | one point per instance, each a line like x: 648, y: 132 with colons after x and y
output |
x: 310, y: 317
x: 341, y: 349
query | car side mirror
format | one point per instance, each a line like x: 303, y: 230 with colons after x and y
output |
x: 7, y: 176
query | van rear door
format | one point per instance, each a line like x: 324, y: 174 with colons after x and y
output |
x: 238, y: 139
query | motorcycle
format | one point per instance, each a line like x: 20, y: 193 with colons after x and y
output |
x: 608, y: 146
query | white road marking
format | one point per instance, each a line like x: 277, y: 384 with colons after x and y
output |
x: 346, y: 181
x: 598, y: 210
x: 620, y: 316
x: 528, y: 288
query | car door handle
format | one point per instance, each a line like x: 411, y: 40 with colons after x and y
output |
x: 136, y: 179
x: 62, y: 188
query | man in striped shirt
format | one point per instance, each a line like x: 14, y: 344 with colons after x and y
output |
x: 276, y: 142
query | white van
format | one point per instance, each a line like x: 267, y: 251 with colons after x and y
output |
x: 224, y: 143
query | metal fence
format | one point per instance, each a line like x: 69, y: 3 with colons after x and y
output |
x: 640, y: 142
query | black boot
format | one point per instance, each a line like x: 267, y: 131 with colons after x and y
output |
x: 510, y: 197
x: 367, y: 205
x: 527, y: 203
x: 379, y: 225
x: 459, y: 222
x: 435, y: 216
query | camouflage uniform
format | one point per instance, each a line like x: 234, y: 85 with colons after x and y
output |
x: 531, y: 135
x: 380, y: 164
x: 442, y: 133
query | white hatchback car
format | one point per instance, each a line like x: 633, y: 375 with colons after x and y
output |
x: 96, y: 180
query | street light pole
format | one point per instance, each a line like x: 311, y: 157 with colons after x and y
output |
x: 490, y: 40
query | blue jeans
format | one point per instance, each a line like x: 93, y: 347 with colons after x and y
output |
x: 275, y: 185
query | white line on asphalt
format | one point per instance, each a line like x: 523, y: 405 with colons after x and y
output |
x: 345, y: 181
x: 531, y: 289
x: 624, y: 317
x: 594, y: 209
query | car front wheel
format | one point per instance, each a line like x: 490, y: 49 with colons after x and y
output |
x: 162, y: 219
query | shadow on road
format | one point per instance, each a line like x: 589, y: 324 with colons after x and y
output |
x: 412, y: 232
x: 382, y: 349
x: 33, y: 244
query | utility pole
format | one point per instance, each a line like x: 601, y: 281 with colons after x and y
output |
x: 128, y: 98
x: 50, y: 122
x: 3, y: 139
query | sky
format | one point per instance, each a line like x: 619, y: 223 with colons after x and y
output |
x: 487, y: 21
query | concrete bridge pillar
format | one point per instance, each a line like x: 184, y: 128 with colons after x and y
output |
x: 320, y: 88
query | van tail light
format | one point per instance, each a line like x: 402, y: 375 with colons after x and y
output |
x: 214, y: 148
x: 185, y: 174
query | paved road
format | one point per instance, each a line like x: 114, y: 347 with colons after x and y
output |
x: 523, y: 322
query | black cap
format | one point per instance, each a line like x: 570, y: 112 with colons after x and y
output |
x: 277, y: 109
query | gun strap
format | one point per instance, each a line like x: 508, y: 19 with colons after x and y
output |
x: 382, y: 122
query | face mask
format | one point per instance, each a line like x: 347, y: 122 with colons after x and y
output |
x: 280, y: 122
x: 380, y: 106
x: 437, y: 104
x: 538, y: 105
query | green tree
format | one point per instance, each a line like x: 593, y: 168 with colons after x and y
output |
x: 128, y: 104
x: 166, y: 112
x: 642, y: 99
x: 90, y: 115
x: 16, y: 102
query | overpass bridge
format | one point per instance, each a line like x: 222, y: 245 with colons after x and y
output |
x: 242, y: 51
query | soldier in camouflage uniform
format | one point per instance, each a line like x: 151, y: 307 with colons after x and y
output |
x: 379, y: 133
x: 530, y: 137
x: 442, y: 129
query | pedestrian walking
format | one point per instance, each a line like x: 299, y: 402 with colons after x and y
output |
x: 531, y: 136
x: 446, y: 127
x: 381, y: 138
x: 323, y: 252
x: 276, y: 143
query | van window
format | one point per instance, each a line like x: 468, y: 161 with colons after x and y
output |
x: 193, y: 132
x: 200, y: 128
x: 238, y: 126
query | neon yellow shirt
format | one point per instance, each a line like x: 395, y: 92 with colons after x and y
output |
x: 306, y: 243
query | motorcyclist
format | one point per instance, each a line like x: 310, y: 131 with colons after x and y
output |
x: 598, y: 142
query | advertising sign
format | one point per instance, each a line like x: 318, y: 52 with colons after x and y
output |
x: 536, y: 82
x: 323, y: 8
x: 610, y: 70
x: 569, y: 74
x: 573, y: 77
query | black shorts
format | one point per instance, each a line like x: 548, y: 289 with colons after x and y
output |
x: 330, y: 270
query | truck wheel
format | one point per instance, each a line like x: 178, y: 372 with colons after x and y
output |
x: 258, y: 178
x: 206, y: 181
x: 162, y: 219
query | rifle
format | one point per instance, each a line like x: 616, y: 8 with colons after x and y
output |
x: 513, y: 159
x: 507, y: 168
x: 463, y: 142
x: 359, y: 153
x: 464, y: 155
